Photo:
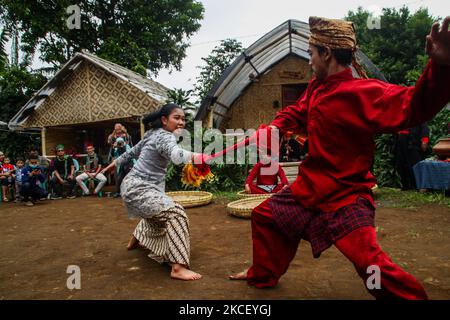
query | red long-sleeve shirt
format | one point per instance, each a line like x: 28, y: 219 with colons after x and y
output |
x: 6, y: 168
x: 266, y: 179
x: 342, y: 114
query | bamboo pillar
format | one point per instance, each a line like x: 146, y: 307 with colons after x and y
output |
x: 142, y: 127
x: 43, y: 141
x: 90, y: 102
x: 208, y: 123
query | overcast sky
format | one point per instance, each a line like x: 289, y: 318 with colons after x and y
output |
x: 248, y: 20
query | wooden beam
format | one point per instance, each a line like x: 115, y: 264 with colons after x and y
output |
x: 285, y: 83
x: 221, y: 114
x: 221, y: 104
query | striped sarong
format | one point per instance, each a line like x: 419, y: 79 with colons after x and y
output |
x: 166, y: 235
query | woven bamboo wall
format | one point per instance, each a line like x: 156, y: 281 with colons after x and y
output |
x: 254, y: 106
x: 91, y: 94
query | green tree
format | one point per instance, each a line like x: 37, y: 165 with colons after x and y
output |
x: 3, y: 55
x: 138, y: 34
x: 215, y: 64
x: 398, y: 49
x: 17, y: 85
x: 182, y: 98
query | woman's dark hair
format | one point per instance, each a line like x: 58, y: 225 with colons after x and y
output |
x: 154, y: 118
x: 343, y: 56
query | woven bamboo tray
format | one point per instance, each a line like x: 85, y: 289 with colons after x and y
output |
x: 242, y: 194
x: 243, y: 208
x: 189, y: 199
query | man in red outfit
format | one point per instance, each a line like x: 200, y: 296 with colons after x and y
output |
x: 266, y: 182
x: 331, y: 201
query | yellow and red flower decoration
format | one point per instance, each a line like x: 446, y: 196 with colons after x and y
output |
x: 194, y: 175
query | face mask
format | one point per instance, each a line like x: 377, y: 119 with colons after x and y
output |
x: 33, y: 166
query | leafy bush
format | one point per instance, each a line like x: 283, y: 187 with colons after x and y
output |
x: 384, y: 165
x: 228, y: 177
x: 439, y: 126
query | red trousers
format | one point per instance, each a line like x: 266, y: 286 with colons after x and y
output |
x: 255, y: 190
x: 273, y: 251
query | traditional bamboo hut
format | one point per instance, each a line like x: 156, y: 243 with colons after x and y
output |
x: 84, y: 100
x: 268, y: 76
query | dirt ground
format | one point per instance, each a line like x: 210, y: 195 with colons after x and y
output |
x: 39, y: 243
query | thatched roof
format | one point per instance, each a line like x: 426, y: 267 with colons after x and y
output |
x: 152, y: 89
x: 289, y: 38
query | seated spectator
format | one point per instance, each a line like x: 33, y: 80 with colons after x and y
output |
x: 44, y: 163
x: 31, y: 176
x: 6, y: 177
x: 62, y: 174
x: 92, y: 170
x: 122, y: 170
x: 265, y: 183
x: 18, y: 178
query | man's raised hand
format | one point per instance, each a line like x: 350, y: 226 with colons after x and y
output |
x: 438, y: 43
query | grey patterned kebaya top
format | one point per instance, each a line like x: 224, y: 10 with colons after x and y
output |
x: 154, y: 153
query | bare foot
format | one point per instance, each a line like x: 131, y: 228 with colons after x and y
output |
x: 133, y: 243
x: 239, y: 276
x: 181, y: 273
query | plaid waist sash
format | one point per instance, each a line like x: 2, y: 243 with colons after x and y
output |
x: 321, y: 229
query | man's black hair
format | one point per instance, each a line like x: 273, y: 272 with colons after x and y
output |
x: 343, y: 56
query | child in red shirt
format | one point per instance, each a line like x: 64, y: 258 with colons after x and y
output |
x: 6, y: 177
x: 266, y: 182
